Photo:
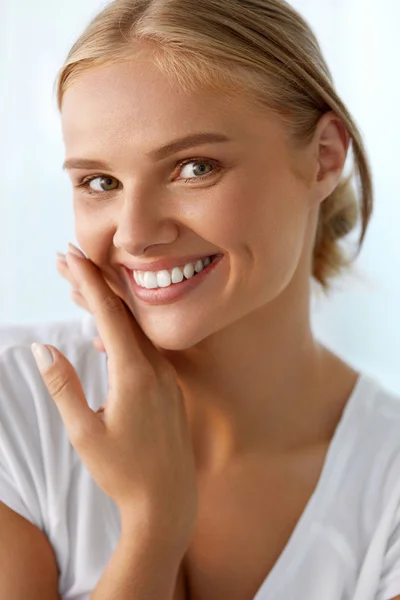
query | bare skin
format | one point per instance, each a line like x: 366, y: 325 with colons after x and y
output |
x: 262, y: 396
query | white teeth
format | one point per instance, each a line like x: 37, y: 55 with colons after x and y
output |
x: 177, y: 275
x: 164, y: 278
x: 198, y: 266
x: 188, y: 271
x: 150, y: 280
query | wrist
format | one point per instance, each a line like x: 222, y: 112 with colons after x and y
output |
x: 153, y: 534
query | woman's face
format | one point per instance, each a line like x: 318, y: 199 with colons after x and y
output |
x: 241, y: 197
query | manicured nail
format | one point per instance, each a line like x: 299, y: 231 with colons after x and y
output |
x: 74, y: 250
x: 61, y: 257
x: 43, y: 357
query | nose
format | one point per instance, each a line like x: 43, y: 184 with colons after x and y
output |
x: 141, y: 222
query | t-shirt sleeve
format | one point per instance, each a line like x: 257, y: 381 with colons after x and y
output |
x: 22, y: 477
x: 36, y: 456
x: 10, y: 495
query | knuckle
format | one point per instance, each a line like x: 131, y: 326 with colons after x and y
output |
x: 111, y: 304
x: 58, y: 385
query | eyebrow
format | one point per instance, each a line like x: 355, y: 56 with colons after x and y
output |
x: 189, y: 141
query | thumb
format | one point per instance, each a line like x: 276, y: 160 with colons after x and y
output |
x: 66, y: 390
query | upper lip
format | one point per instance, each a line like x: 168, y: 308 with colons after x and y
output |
x: 165, y: 263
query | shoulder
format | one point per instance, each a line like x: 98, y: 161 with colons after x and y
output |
x: 376, y: 418
x: 378, y: 415
x: 376, y: 476
x: 371, y: 453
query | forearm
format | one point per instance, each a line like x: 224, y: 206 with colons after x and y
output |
x: 139, y: 570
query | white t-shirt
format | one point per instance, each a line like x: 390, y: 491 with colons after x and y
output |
x: 346, y: 545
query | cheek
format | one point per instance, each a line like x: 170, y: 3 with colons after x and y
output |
x: 258, y: 210
x: 229, y: 213
x: 273, y: 220
x: 93, y: 234
x: 282, y: 243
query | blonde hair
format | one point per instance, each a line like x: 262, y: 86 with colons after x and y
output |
x: 262, y: 48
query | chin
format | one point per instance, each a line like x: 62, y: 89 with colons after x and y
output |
x: 174, y: 338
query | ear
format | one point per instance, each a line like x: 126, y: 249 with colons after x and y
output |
x: 331, y: 144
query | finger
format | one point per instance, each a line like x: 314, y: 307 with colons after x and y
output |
x: 64, y: 271
x: 123, y: 340
x: 66, y: 390
x: 79, y: 300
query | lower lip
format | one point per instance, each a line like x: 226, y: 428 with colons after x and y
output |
x: 173, y: 292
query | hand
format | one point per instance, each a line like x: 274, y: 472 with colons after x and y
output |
x: 64, y: 271
x: 138, y: 446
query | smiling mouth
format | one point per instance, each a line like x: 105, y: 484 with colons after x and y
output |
x: 174, y: 291
x: 166, y: 278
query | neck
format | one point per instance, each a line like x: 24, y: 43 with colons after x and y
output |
x: 257, y: 383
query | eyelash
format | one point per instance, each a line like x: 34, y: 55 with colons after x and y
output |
x: 85, y: 183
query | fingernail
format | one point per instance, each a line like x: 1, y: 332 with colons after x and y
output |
x: 43, y: 357
x: 74, y: 250
x: 61, y: 257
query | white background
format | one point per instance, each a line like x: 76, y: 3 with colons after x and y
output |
x: 360, y: 40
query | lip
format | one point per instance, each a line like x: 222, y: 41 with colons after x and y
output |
x: 167, y: 263
x: 175, y: 291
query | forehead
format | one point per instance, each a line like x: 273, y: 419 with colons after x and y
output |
x: 131, y: 94
x: 134, y: 102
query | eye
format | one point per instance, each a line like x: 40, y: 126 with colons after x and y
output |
x: 200, y: 170
x: 105, y: 181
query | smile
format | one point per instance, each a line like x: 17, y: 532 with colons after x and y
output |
x: 164, y: 287
x: 165, y: 278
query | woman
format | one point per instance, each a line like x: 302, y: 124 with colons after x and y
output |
x: 215, y: 449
